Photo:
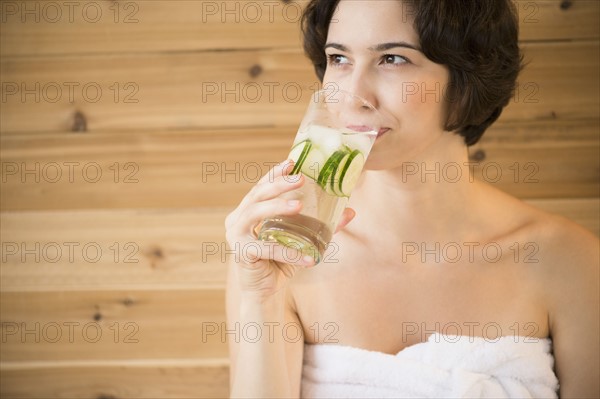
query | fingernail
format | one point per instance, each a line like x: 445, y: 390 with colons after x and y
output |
x: 308, y: 260
x: 293, y: 178
x: 293, y: 203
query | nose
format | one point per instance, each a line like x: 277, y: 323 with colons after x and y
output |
x: 362, y: 84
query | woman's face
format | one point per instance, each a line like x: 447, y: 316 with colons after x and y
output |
x: 373, y: 51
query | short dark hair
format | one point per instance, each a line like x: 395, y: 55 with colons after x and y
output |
x: 476, y: 39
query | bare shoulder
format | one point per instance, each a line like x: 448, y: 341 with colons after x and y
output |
x: 561, y: 243
x: 569, y: 259
x: 568, y: 275
x: 565, y: 248
x: 570, y: 256
x: 567, y: 256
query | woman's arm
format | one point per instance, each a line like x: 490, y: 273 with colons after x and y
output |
x: 272, y: 365
x: 264, y: 362
x: 574, y: 309
x: 267, y: 363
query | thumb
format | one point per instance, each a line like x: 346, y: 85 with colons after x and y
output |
x: 347, y: 217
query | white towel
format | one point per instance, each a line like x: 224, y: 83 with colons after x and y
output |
x: 445, y: 366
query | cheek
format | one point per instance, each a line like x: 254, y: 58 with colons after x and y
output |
x: 433, y: 96
x: 418, y: 104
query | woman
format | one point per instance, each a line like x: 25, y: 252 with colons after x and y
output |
x: 392, y: 283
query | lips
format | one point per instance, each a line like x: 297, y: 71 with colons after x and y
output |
x: 363, y: 128
x: 359, y: 128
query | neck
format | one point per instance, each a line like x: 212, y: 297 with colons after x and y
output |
x: 425, y: 200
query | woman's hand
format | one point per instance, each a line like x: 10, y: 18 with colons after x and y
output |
x: 265, y: 267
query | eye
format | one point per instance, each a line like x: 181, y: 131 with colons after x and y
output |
x: 394, y: 59
x: 337, y: 60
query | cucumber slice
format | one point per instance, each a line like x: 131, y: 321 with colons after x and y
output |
x: 351, y: 172
x: 298, y: 154
x: 313, y: 163
x: 296, y: 151
x: 336, y: 177
x: 329, y: 170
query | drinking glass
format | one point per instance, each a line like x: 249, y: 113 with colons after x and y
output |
x: 331, y: 146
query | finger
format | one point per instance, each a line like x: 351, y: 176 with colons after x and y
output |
x: 253, y: 251
x: 347, y: 217
x: 267, y: 191
x: 280, y: 169
x: 288, y: 270
x: 256, y: 212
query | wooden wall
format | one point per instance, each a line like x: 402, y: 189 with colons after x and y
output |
x: 128, y: 131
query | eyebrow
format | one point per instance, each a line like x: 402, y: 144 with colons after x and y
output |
x: 379, y: 47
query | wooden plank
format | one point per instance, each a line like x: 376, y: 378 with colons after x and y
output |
x: 530, y: 161
x: 119, y: 248
x: 160, y: 25
x: 112, y: 325
x: 532, y: 171
x: 149, y: 91
x: 149, y: 26
x: 558, y: 20
x: 115, y: 379
x: 191, y: 244
x: 171, y: 169
x: 242, y: 89
x: 83, y: 368
x: 546, y: 88
x: 177, y: 169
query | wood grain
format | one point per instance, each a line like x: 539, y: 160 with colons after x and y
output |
x: 153, y: 26
x: 148, y: 378
x: 197, y: 100
x: 161, y: 25
x: 169, y: 169
x: 183, y: 249
x: 526, y: 158
x: 183, y: 169
x: 546, y: 20
x: 120, y: 249
x: 138, y: 312
x: 151, y: 92
x: 114, y: 324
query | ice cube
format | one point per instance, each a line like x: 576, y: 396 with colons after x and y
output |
x: 360, y: 142
x: 327, y: 139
